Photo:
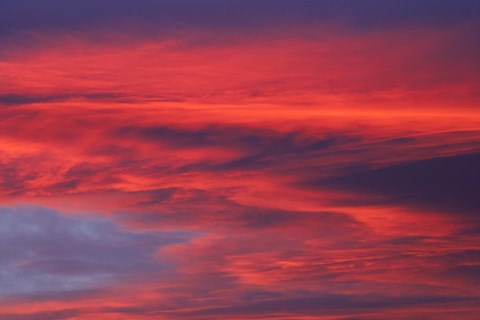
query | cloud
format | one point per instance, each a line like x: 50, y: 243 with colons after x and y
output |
x: 448, y: 184
x: 239, y: 159
x: 256, y: 147
x: 45, y: 252
x: 62, y: 314
x: 18, y: 99
x: 328, y: 305
x: 169, y: 15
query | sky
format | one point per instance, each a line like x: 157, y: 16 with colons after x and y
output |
x: 239, y: 159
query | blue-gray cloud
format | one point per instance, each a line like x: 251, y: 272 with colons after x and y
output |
x: 44, y: 252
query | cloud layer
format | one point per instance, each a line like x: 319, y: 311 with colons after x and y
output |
x: 239, y: 160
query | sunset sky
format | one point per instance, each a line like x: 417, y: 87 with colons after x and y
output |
x: 239, y: 159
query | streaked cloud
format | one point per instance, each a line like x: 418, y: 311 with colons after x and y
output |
x: 239, y: 159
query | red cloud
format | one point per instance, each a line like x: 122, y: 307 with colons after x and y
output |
x: 302, y: 164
